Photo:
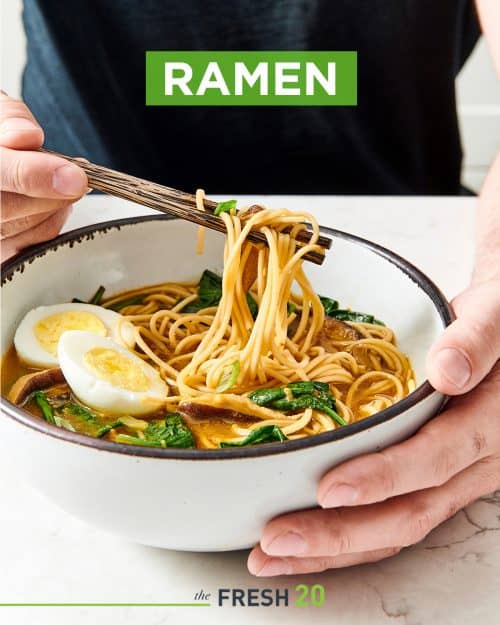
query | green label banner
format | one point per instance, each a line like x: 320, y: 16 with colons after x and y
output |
x: 263, y: 78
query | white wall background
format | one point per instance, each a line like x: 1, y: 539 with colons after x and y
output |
x: 478, y: 90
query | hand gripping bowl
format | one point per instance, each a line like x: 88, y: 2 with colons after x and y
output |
x: 195, y: 499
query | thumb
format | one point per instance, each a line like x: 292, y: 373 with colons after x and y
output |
x: 470, y: 346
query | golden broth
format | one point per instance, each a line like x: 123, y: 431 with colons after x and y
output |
x: 13, y: 368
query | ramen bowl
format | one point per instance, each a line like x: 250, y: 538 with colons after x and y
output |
x: 204, y: 499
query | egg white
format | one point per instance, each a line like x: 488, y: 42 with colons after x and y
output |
x: 100, y: 393
x: 30, y: 350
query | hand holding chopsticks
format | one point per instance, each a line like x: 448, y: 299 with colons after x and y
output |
x: 171, y: 201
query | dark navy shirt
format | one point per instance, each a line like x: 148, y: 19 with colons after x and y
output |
x: 84, y: 81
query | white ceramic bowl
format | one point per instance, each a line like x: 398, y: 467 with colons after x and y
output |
x: 203, y: 500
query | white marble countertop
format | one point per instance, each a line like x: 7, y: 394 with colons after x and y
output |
x: 453, y: 577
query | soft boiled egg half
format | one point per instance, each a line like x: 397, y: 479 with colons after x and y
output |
x: 38, y: 334
x: 106, y: 376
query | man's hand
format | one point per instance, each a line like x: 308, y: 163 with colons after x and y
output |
x: 37, y: 189
x: 374, y: 505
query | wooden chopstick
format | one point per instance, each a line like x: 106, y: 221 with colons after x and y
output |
x: 171, y: 201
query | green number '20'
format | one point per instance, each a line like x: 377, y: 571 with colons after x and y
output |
x: 316, y: 594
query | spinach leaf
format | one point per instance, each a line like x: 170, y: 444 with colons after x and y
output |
x: 307, y: 401
x: 45, y: 407
x: 93, y: 425
x: 301, y: 388
x: 320, y: 390
x: 79, y: 411
x: 135, y: 440
x: 308, y: 394
x: 329, y: 305
x: 105, y: 429
x: 169, y: 432
x: 264, y: 434
x: 209, y: 292
x: 352, y: 315
x: 252, y: 305
x: 59, y: 413
x: 210, y: 288
x: 332, y: 309
x: 96, y: 299
x: 130, y: 301
x: 264, y: 396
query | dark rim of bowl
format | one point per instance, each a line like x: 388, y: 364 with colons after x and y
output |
x: 81, y: 234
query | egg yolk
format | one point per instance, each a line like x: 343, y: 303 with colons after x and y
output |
x: 116, y: 368
x: 49, y: 329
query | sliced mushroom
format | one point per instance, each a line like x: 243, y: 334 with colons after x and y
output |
x: 36, y: 381
x: 334, y: 331
x: 250, y: 269
x: 225, y: 406
x: 203, y: 411
x: 250, y: 211
x: 293, y: 327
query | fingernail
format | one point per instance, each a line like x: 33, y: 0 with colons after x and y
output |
x: 16, y: 124
x: 67, y: 180
x: 287, y: 544
x: 454, y: 366
x: 275, y: 566
x: 339, y: 495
